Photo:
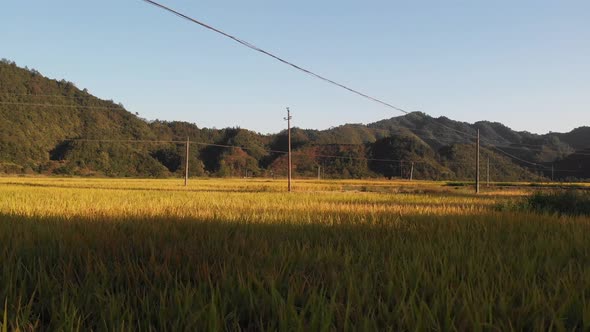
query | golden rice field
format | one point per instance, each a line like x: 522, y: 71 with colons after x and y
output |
x: 242, y: 254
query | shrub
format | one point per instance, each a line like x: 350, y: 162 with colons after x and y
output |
x: 563, y: 202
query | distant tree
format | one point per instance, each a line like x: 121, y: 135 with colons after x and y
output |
x: 390, y: 153
x: 236, y: 162
x: 169, y: 157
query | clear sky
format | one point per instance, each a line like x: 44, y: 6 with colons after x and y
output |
x: 523, y: 63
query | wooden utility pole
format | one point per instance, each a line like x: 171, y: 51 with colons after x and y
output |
x: 477, y: 165
x: 488, y: 172
x: 552, y: 173
x: 188, y: 144
x: 288, y: 118
x: 412, y: 171
x: 319, y: 172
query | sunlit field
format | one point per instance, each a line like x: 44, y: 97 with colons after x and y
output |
x: 243, y: 254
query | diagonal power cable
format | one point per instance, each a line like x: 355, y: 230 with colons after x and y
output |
x: 255, y: 48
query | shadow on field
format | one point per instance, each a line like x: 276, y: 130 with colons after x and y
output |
x: 171, y: 189
x: 522, y: 272
x: 431, y: 205
x: 181, y: 189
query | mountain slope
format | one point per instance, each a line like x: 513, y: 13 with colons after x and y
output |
x: 49, y: 126
x: 37, y: 114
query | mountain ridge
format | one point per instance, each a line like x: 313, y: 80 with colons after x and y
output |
x: 44, y: 123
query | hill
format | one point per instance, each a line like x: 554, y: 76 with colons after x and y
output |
x: 52, y: 127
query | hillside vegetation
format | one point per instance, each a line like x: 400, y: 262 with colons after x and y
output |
x: 52, y: 127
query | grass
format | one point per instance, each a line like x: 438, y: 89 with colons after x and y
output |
x: 549, y: 185
x: 88, y: 254
x: 569, y: 202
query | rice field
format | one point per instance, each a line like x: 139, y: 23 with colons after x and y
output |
x: 241, y: 254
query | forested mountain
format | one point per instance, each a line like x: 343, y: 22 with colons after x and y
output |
x: 52, y: 127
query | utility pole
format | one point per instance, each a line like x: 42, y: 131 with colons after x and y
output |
x: 488, y: 172
x: 188, y: 143
x: 477, y: 165
x: 401, y: 174
x: 288, y: 118
x: 412, y: 171
x: 552, y: 173
x: 319, y: 172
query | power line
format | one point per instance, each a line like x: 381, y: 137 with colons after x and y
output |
x: 436, y: 122
x: 578, y: 154
x: 519, y: 145
x: 265, y: 150
x: 514, y: 143
x: 456, y: 130
x: 411, y: 130
x: 401, y: 130
x: 270, y: 151
x: 223, y: 146
x: 60, y: 105
x: 255, y: 48
x: 163, y: 142
x: 119, y: 141
x: 515, y: 157
x: 307, y: 71
x: 43, y: 95
x: 502, y: 144
x: 408, y: 129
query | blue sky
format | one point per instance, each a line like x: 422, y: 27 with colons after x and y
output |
x: 523, y: 63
